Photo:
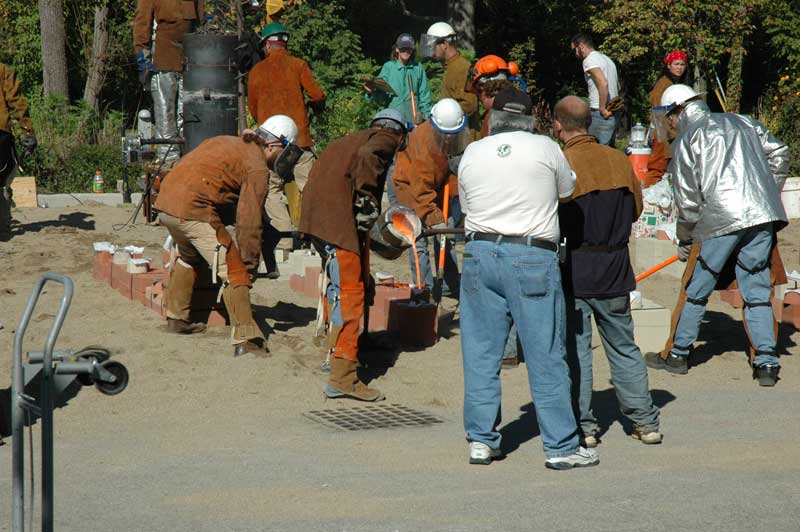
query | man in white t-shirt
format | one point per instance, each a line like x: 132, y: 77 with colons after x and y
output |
x: 510, y: 184
x: 600, y: 73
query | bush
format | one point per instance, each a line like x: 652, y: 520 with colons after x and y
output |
x: 781, y: 114
x: 74, y: 141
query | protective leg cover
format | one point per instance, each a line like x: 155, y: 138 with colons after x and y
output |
x: 5, y: 211
x: 348, y: 287
x: 243, y: 326
x: 344, y: 382
x: 179, y: 291
x: 166, y: 89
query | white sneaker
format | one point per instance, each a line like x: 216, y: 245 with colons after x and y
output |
x: 581, y: 458
x: 480, y: 453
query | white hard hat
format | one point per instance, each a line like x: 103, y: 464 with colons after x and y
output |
x: 279, y: 127
x: 677, y: 94
x: 447, y: 116
x: 441, y: 30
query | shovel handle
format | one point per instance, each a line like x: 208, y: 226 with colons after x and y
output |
x: 656, y: 268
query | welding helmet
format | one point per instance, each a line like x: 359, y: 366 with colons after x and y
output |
x: 282, y: 129
x: 450, y: 132
x: 437, y: 33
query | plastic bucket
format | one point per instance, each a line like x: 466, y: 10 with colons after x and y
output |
x: 791, y: 197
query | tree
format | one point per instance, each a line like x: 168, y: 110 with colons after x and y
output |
x: 54, y: 54
x: 462, y: 14
x: 98, y: 60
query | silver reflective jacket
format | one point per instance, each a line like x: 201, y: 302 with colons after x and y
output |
x: 728, y: 171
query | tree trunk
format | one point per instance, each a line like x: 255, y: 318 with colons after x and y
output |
x: 98, y: 61
x: 462, y: 15
x: 54, y: 53
x: 734, y: 83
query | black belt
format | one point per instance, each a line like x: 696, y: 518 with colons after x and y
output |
x: 523, y: 240
x: 601, y: 248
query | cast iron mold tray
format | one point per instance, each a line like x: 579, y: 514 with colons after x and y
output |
x: 368, y: 417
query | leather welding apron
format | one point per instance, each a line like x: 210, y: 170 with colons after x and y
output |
x: 725, y: 281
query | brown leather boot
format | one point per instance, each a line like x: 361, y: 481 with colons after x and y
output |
x: 344, y: 382
x: 179, y: 299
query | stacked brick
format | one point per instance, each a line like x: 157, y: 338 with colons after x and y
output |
x: 149, y: 288
x: 786, y: 309
x: 414, y: 324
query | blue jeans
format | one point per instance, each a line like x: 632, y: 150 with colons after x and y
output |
x: 628, y: 370
x: 451, y: 275
x: 501, y: 282
x: 752, y: 247
x: 603, y: 130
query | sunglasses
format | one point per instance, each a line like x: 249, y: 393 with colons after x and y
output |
x: 406, y: 50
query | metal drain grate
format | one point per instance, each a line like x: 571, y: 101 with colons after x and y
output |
x: 373, y: 417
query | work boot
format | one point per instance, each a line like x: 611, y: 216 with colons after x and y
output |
x: 184, y: 326
x: 255, y: 346
x: 767, y: 374
x: 673, y: 364
x: 179, y: 293
x: 647, y: 436
x: 344, y: 382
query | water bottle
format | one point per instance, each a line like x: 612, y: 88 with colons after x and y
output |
x: 98, y: 182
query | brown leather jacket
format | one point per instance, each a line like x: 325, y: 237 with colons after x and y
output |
x: 275, y: 87
x: 174, y: 18
x: 454, y: 85
x: 356, y: 163
x: 659, y: 158
x: 12, y: 102
x: 420, y: 175
x: 222, y: 181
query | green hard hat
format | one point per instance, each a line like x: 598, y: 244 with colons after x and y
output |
x: 275, y: 28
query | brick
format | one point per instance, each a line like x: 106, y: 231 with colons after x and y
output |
x: 414, y: 326
x: 157, y: 305
x: 213, y: 318
x: 791, y: 298
x: 791, y: 315
x: 297, y: 283
x: 158, y: 288
x: 121, y: 280
x: 384, y: 295
x: 101, y: 267
x: 311, y: 281
x: 143, y: 280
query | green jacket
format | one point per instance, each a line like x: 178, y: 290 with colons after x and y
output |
x: 396, y: 74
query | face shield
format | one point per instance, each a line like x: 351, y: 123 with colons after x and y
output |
x: 284, y: 164
x: 452, y: 143
x: 427, y: 44
x: 662, y: 124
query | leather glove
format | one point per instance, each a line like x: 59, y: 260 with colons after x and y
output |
x: 453, y: 163
x: 615, y: 105
x: 29, y: 143
x: 366, y: 213
x: 684, y: 248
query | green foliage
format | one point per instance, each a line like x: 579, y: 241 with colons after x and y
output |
x: 74, y: 141
x: 321, y: 36
x: 781, y: 113
x: 20, y: 43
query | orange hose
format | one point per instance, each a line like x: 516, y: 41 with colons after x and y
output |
x: 657, y: 267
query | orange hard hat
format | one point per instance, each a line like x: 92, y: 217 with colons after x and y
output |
x: 491, y: 67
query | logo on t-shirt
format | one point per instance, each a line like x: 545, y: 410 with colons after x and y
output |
x: 504, y: 150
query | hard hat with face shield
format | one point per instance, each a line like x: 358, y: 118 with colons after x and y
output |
x: 450, y: 131
x: 674, y: 97
x: 282, y: 129
x: 437, y: 33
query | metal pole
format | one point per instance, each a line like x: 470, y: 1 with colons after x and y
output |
x: 240, y: 32
x: 47, y: 401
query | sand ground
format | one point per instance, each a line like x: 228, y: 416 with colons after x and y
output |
x: 202, y: 441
